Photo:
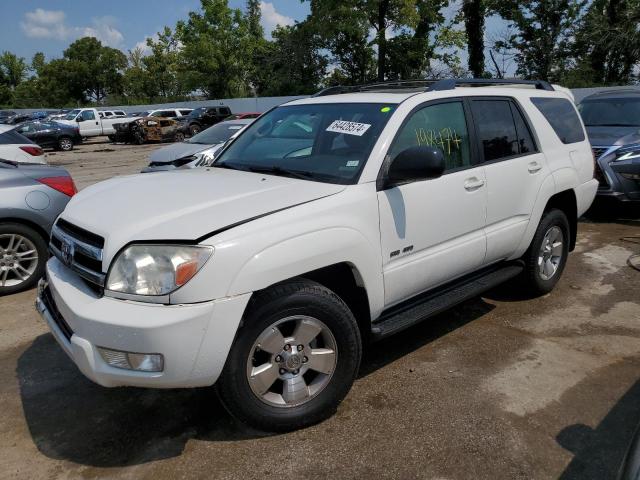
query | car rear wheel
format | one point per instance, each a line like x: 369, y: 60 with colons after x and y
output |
x: 294, y: 359
x: 23, y: 255
x: 547, y: 255
x: 194, y: 129
x: 65, y: 144
x: 179, y: 137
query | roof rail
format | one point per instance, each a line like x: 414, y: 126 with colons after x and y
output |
x: 417, y: 85
x: 450, y: 84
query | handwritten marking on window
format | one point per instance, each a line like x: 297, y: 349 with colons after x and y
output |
x: 447, y: 139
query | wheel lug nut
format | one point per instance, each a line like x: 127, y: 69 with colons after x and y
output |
x: 278, y: 358
x: 305, y: 359
x: 300, y: 348
x: 282, y: 371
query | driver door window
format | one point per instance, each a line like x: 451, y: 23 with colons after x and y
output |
x: 442, y: 126
x: 88, y: 115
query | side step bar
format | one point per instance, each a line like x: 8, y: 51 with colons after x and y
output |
x: 427, y: 305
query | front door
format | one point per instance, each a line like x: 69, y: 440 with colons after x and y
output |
x: 433, y: 231
x: 89, y: 125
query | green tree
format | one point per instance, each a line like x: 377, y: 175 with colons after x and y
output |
x: 94, y: 69
x: 214, y: 45
x: 543, y: 37
x: 474, y: 13
x: 13, y: 68
x: 163, y: 66
x: 607, y: 44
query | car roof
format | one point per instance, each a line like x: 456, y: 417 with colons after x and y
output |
x: 610, y: 94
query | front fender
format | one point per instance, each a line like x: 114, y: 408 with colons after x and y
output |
x: 310, y: 251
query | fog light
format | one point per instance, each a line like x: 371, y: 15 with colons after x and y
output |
x: 143, y: 362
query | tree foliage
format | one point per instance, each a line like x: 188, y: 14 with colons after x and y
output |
x: 218, y: 51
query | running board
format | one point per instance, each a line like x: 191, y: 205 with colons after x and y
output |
x: 427, y: 305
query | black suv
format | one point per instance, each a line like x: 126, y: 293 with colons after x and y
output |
x: 612, y: 119
x: 202, y: 118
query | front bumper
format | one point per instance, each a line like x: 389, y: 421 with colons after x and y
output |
x: 193, y: 338
x: 620, y: 182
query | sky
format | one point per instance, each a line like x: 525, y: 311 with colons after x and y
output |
x: 49, y: 26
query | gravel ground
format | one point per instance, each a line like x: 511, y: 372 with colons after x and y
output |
x: 501, y: 387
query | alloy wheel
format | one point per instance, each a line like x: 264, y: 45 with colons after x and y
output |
x: 550, y: 254
x: 292, y: 361
x: 18, y: 259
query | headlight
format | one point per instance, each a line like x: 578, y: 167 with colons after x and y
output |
x: 628, y: 153
x: 156, y: 269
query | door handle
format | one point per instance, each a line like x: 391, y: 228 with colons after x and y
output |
x: 534, y: 167
x: 473, y: 183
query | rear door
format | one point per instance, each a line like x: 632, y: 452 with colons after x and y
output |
x: 433, y: 231
x: 515, y: 170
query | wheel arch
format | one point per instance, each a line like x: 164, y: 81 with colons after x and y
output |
x: 345, y: 280
x: 566, y: 202
x: 28, y: 223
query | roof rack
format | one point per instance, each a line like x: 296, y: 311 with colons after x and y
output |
x: 450, y: 84
x: 431, y: 85
x: 417, y: 85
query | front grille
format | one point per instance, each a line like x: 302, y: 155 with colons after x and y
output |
x: 59, y: 320
x: 80, y: 250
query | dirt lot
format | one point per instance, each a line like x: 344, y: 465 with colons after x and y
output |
x: 500, y: 387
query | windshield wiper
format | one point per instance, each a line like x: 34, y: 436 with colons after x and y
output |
x: 228, y: 165
x: 282, y: 171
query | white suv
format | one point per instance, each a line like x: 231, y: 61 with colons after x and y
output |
x: 330, y: 221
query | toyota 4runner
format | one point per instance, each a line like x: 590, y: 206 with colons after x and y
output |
x: 330, y: 221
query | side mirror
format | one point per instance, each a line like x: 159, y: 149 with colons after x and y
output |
x: 414, y: 164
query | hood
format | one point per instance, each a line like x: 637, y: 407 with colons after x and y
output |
x: 175, y: 151
x: 608, y: 136
x: 184, y: 204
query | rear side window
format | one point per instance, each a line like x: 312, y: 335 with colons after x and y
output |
x: 12, y: 137
x: 525, y: 141
x: 185, y: 112
x: 496, y: 129
x: 562, y: 117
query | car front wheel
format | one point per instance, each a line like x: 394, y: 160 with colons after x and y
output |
x: 65, y: 144
x: 23, y: 255
x: 294, y: 359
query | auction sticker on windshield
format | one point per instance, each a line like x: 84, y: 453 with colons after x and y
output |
x: 348, y: 128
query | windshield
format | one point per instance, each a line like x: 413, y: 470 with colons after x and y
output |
x: 321, y: 142
x: 611, y: 112
x: 217, y: 134
x: 72, y: 115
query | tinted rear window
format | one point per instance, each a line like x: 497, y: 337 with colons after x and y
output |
x: 496, y: 130
x: 562, y: 117
x: 12, y: 137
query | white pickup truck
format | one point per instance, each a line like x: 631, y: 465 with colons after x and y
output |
x: 90, y: 122
x: 328, y: 222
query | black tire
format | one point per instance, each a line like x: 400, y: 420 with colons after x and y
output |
x: 298, y: 297
x: 194, y: 129
x: 179, y: 137
x: 41, y: 247
x: 532, y: 277
x: 112, y: 138
x: 65, y: 144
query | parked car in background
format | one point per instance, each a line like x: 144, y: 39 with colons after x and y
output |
x: 112, y: 113
x: 89, y: 122
x: 59, y: 114
x: 147, y: 129
x: 175, y: 113
x: 5, y: 114
x: 51, y: 134
x: 197, y: 151
x: 243, y: 116
x: 31, y: 198
x: 16, y: 147
x: 17, y: 119
x: 202, y: 118
x: 612, y: 119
